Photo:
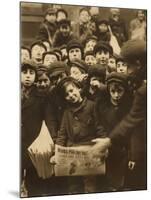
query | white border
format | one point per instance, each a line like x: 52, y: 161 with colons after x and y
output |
x: 9, y: 98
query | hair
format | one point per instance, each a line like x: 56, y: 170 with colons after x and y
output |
x: 26, y: 48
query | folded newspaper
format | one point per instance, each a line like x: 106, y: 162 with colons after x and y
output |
x: 40, y: 152
x: 75, y: 161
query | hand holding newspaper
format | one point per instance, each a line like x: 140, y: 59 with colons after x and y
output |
x: 40, y: 152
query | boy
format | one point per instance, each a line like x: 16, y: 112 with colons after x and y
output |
x: 110, y: 110
x: 95, y: 82
x: 49, y: 57
x: 121, y: 65
x: 90, y: 43
x: 63, y: 50
x: 79, y: 70
x: 25, y: 54
x: 102, y: 52
x: 74, y: 50
x: 112, y: 63
x: 77, y: 130
x: 48, y: 27
x: 61, y: 14
x: 89, y: 58
x: 64, y: 33
x: 42, y: 82
x: 37, y: 51
x: 103, y: 31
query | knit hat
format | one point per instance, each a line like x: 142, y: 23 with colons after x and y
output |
x: 103, y: 45
x: 74, y: 44
x: 119, y: 58
x: 29, y: 64
x: 98, y: 71
x: 57, y: 68
x: 118, y: 78
x: 65, y: 22
x: 135, y: 50
x: 80, y: 64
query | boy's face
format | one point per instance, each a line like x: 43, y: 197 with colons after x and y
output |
x: 65, y: 30
x: 103, y: 28
x: 116, y: 91
x: 64, y: 52
x: 43, y: 83
x: 49, y: 58
x: 37, y: 52
x: 112, y: 64
x: 84, y: 16
x: 72, y: 94
x: 95, y: 83
x: 51, y: 17
x: 75, y: 53
x: 75, y: 72
x: 122, y: 67
x: 90, y: 45
x: 60, y: 16
x: 140, y: 15
x: 90, y: 60
x: 24, y: 55
x: 102, y: 57
x: 28, y: 77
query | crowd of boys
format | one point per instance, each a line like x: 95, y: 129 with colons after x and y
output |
x: 84, y: 91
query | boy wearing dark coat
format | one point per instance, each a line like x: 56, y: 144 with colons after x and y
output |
x: 111, y: 110
x: 48, y: 27
x: 79, y: 125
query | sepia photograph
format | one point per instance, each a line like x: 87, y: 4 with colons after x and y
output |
x: 83, y: 94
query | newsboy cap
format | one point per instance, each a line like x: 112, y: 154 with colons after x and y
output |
x: 117, y: 77
x: 74, y: 44
x: 57, y: 68
x: 80, y: 64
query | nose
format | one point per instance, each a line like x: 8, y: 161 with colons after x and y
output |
x: 116, y: 95
x: 43, y: 84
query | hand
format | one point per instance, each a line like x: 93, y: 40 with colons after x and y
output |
x: 82, y: 77
x: 52, y: 160
x: 102, y: 143
x: 131, y: 165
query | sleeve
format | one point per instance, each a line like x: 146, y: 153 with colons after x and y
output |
x: 62, y: 134
x: 51, y: 121
x: 42, y: 34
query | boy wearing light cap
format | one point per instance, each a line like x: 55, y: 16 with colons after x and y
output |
x: 49, y: 57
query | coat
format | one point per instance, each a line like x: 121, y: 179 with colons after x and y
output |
x: 109, y: 117
x: 46, y: 31
x: 79, y: 125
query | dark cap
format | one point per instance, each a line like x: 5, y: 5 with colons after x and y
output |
x: 118, y: 78
x: 103, y: 21
x: 92, y: 37
x: 57, y: 68
x: 88, y: 53
x: 80, y: 64
x: 74, y: 44
x: 38, y: 42
x: 101, y: 45
x: 98, y: 71
x: 29, y: 64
